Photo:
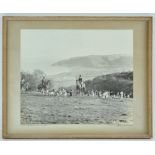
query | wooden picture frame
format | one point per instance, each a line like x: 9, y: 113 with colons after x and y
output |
x: 16, y: 23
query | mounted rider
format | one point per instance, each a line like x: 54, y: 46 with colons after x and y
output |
x: 43, y: 82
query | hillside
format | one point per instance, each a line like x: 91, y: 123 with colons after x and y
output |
x: 97, y: 61
x: 89, y: 67
x: 115, y: 82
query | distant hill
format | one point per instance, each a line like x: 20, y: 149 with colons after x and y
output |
x: 97, y: 61
x: 90, y: 67
x: 115, y: 82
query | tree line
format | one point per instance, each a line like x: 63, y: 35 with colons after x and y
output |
x: 115, y: 82
x: 34, y: 79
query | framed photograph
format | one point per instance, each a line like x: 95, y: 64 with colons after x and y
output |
x: 77, y: 77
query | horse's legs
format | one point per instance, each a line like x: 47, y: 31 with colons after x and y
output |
x: 77, y: 90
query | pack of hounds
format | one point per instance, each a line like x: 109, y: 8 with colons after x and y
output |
x: 80, y: 90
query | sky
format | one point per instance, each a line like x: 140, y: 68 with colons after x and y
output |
x: 40, y: 48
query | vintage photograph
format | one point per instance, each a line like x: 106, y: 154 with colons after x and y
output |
x: 76, y: 76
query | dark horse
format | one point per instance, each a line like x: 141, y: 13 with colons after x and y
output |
x: 44, y: 87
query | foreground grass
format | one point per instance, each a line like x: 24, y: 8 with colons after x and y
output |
x: 37, y: 109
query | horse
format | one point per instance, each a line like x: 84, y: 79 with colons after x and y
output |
x: 44, y: 87
x: 80, y: 87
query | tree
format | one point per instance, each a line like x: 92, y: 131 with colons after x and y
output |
x: 34, y: 79
x: 38, y: 75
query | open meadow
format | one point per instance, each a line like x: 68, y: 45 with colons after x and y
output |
x: 39, y: 109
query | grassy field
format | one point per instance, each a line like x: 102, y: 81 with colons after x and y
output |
x: 38, y: 109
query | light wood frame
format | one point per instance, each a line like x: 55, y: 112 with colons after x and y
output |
x: 69, y: 18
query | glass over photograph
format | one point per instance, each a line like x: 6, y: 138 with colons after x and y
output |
x: 76, y: 76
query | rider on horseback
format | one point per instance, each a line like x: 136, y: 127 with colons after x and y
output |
x: 43, y: 81
x: 80, y: 85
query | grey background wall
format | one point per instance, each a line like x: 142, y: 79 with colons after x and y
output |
x: 75, y: 15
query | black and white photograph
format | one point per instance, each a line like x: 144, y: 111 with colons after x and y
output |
x: 76, y: 76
